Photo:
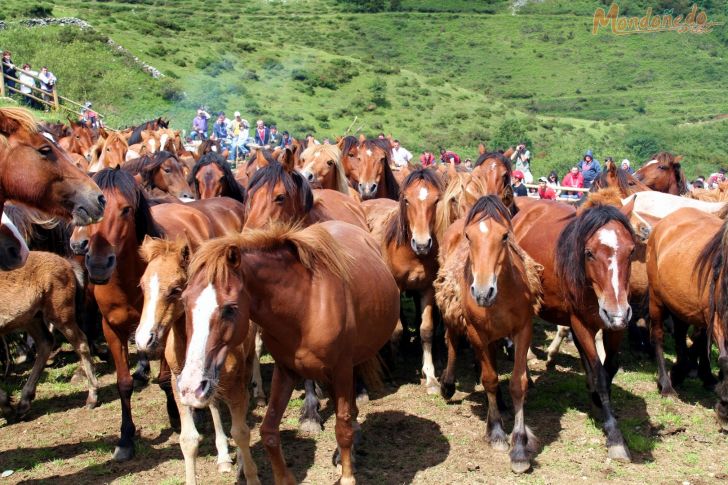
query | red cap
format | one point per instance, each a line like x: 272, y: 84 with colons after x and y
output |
x: 517, y: 174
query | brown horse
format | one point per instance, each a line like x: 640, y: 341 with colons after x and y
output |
x: 136, y: 133
x: 408, y: 235
x: 212, y: 177
x: 615, y: 177
x: 161, y: 171
x: 45, y: 291
x: 349, y: 147
x: 322, y: 168
x: 35, y: 170
x: 586, y: 260
x: 494, y: 171
x: 663, y: 173
x: 376, y: 180
x: 491, y: 287
x: 687, y: 267
x: 115, y: 268
x: 278, y: 278
x: 79, y: 141
x: 112, y: 154
x: 13, y: 247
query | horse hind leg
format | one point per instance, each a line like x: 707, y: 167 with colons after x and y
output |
x: 310, y: 420
x: 561, y: 333
x: 165, y: 383
x: 224, y: 463
x: 280, y: 393
x: 426, y: 333
x: 657, y: 335
x: 43, y: 346
x: 523, y: 442
x: 258, y: 391
x: 343, y: 392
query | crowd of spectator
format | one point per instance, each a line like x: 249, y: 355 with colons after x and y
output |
x: 28, y: 82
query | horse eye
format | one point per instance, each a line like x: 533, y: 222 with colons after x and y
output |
x: 330, y: 163
x: 662, y: 167
x: 406, y: 202
x: 175, y: 292
x: 125, y: 211
x: 228, y: 312
x: 167, y: 170
x: 280, y: 198
x: 589, y: 255
x: 505, y: 237
x: 45, y: 150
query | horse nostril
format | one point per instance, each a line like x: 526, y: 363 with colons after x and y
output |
x: 84, y: 244
x: 472, y: 290
x: 111, y: 261
x: 310, y: 177
x: 202, y: 390
x: 491, y: 292
x: 429, y: 242
x: 373, y: 188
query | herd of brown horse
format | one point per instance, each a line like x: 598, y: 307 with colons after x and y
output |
x: 307, y: 250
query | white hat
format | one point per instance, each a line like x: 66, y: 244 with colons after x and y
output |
x: 237, y: 113
x: 625, y: 161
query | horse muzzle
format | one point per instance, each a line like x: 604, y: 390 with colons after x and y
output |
x: 615, y: 320
x: 13, y: 253
x: 368, y: 191
x: 484, y: 296
x: 420, y: 248
x: 100, y: 268
x: 89, y: 210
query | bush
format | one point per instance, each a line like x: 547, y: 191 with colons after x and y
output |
x: 38, y: 10
x: 643, y: 144
x: 510, y: 132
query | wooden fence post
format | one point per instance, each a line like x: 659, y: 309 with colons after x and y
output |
x: 55, y: 98
x: 2, y: 84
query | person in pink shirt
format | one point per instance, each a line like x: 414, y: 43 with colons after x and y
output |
x: 573, y: 179
x: 427, y: 158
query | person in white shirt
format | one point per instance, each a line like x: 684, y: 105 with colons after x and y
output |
x: 47, y: 81
x: 400, y: 155
x: 27, y: 83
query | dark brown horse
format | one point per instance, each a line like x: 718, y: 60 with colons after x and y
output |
x: 349, y: 147
x: 494, y: 171
x: 408, y: 234
x: 376, y: 180
x: 136, y: 134
x: 687, y: 267
x: 161, y: 171
x: 35, y: 170
x: 115, y: 267
x: 663, y: 173
x: 212, y: 177
x: 278, y: 278
x: 586, y: 260
x: 489, y: 286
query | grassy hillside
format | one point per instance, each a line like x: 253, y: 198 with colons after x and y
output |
x: 451, y: 73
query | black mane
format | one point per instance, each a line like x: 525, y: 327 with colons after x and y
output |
x: 232, y: 188
x: 398, y: 229
x: 570, y: 259
x: 295, y: 184
x: 712, y: 266
x: 489, y: 207
x: 123, y: 183
x: 389, y: 181
x: 146, y: 165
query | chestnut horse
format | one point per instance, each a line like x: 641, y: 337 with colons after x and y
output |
x: 322, y: 168
x: 212, y: 177
x: 13, y: 247
x: 349, y: 145
x: 160, y: 171
x: 79, y: 141
x: 491, y: 287
x: 586, y: 260
x: 613, y: 176
x: 115, y: 268
x: 687, y: 266
x: 113, y: 153
x: 278, y: 278
x: 494, y: 171
x: 664, y: 174
x: 408, y: 235
x: 36, y: 171
x: 376, y: 180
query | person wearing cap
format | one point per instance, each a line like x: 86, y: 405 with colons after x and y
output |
x: 627, y: 167
x: 275, y: 137
x: 519, y: 189
x: 573, y: 179
x: 544, y: 191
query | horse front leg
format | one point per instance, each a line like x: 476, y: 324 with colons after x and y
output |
x: 310, y: 420
x: 258, y: 391
x: 80, y: 344
x: 224, y: 463
x: 523, y: 443
x: 117, y: 340
x: 447, y: 379
x: 280, y: 393
x: 426, y: 331
x: 165, y: 383
x: 495, y: 435
x: 43, y: 346
x: 238, y: 406
x: 189, y: 438
x: 657, y: 335
x: 584, y: 336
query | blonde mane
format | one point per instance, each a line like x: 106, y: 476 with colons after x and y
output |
x: 333, y: 153
x: 154, y: 247
x: 606, y: 196
x: 14, y: 119
x: 315, y: 248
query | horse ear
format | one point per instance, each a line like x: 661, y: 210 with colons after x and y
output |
x: 232, y: 256
x: 362, y: 138
x: 8, y: 125
x: 286, y: 159
x: 627, y: 208
x: 185, y: 253
x: 481, y: 149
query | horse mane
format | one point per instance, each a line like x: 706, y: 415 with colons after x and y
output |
x: 146, y: 165
x: 235, y: 190
x: 293, y: 182
x: 14, y: 119
x: 114, y: 137
x: 569, y: 259
x: 389, y: 181
x: 314, y: 247
x: 622, y: 177
x: 489, y: 207
x: 155, y: 247
x: 122, y: 182
x: 206, y: 147
x: 347, y: 143
x: 136, y: 134
x: 712, y: 264
x: 397, y: 229
x: 267, y: 155
x: 604, y: 196
x: 333, y: 153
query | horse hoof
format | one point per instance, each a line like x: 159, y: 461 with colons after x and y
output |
x: 447, y: 389
x: 499, y: 445
x: 91, y: 402
x: 224, y: 467
x: 433, y: 389
x: 309, y: 426
x: 520, y: 466
x: 347, y: 481
x: 123, y: 453
x: 260, y: 402
x: 22, y: 409
x: 668, y: 391
x: 362, y: 398
x: 619, y: 453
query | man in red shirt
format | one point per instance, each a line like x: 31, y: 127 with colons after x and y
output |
x: 573, y: 179
x: 447, y: 156
x: 544, y: 191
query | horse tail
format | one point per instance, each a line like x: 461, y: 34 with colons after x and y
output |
x: 370, y: 372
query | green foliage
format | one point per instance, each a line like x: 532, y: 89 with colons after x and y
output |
x: 510, y: 132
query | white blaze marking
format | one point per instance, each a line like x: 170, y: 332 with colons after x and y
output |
x: 609, y: 238
x: 9, y: 224
x: 650, y: 162
x: 423, y: 193
x: 163, y: 141
x: 149, y: 312
x: 49, y: 136
x: 492, y: 166
x: 483, y: 227
x: 369, y: 152
x: 205, y: 306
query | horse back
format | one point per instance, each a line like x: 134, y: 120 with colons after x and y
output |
x: 225, y: 214
x: 331, y: 205
x: 180, y: 220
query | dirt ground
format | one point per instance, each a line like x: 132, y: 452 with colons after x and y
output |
x: 408, y: 436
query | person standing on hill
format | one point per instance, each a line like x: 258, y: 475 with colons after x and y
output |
x: 400, y: 155
x: 27, y: 83
x: 589, y: 168
x: 275, y: 137
x: 47, y: 81
x: 9, y: 69
x: 199, y: 125
x: 573, y: 179
x: 522, y: 159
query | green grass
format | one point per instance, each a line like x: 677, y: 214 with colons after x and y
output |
x: 451, y: 73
